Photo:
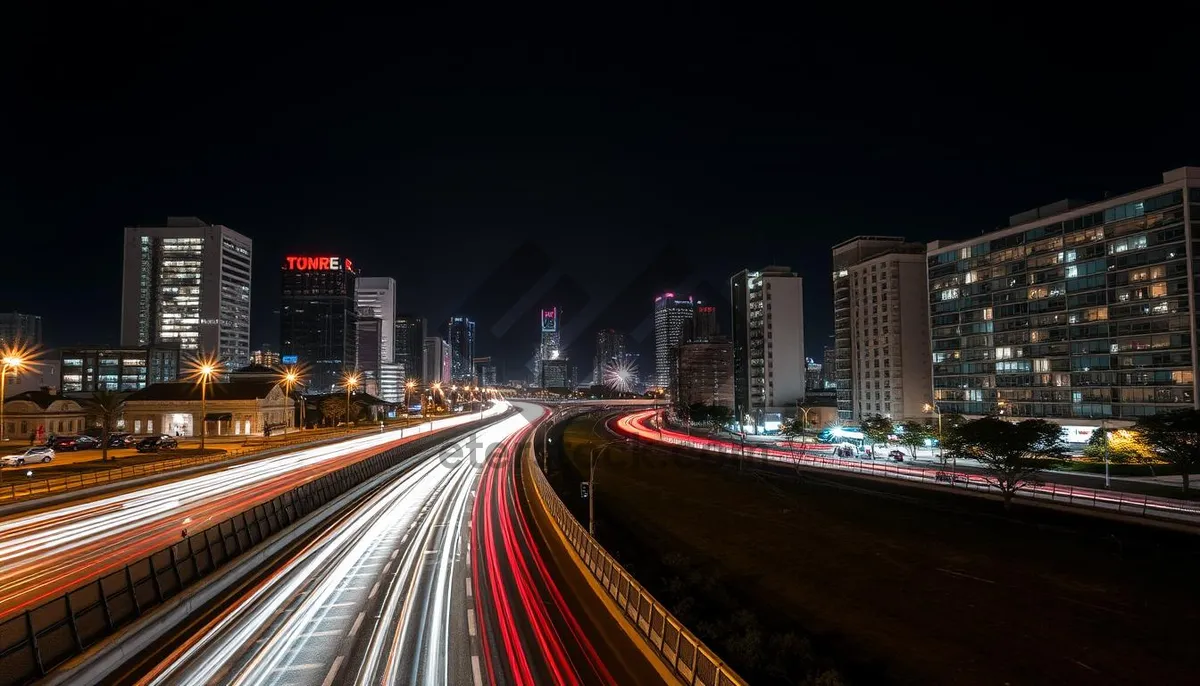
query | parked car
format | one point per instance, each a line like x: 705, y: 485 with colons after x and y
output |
x: 63, y: 443
x: 86, y: 443
x: 39, y: 454
x: 121, y: 440
x: 153, y: 444
x: 897, y: 455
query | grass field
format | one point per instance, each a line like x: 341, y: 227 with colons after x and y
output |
x: 901, y: 585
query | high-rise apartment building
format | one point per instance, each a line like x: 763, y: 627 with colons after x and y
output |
x: 410, y: 347
x: 845, y: 255
x: 828, y: 367
x: 188, y: 284
x: 671, y: 312
x: 318, y: 319
x: 375, y: 296
x: 768, y: 345
x: 88, y: 369
x: 890, y: 370
x: 704, y: 373
x: 610, y: 354
x: 437, y: 361
x: 1074, y: 312
x: 461, y: 339
x: 20, y: 329
x: 369, y: 345
x: 812, y: 375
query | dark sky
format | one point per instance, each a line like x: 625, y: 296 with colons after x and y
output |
x: 597, y: 158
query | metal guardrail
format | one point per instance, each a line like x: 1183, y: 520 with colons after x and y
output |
x: 1149, y: 507
x: 18, y: 489
x: 38, y: 640
x: 681, y: 651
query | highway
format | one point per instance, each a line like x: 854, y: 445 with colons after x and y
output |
x: 531, y: 633
x: 46, y: 553
x: 384, y: 595
x: 638, y: 425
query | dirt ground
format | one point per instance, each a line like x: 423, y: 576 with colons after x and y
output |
x: 919, y: 587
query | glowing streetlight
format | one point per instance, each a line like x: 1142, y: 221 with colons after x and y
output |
x: 290, y: 377
x: 201, y: 370
x: 12, y: 359
x: 350, y: 380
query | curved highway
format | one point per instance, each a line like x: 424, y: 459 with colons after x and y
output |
x: 46, y: 553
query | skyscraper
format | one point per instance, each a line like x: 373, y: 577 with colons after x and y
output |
x: 768, y: 345
x: 375, y: 296
x: 610, y: 353
x: 410, y: 347
x: 318, y: 320
x: 461, y: 339
x: 549, y: 347
x: 437, y: 361
x: 188, y: 284
x: 670, y: 314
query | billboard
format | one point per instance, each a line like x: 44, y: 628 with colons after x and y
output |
x: 550, y: 319
x: 323, y: 264
x: 290, y: 359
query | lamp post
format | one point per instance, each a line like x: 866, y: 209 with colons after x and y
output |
x: 932, y: 407
x: 408, y: 386
x: 289, y: 377
x: 11, y: 359
x: 594, y: 457
x: 1104, y: 428
x: 202, y: 370
x: 351, y: 381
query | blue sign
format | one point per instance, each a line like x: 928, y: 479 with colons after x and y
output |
x: 290, y: 359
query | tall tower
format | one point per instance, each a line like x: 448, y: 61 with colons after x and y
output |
x: 670, y: 313
x: 460, y: 335
x: 318, y: 321
x: 188, y: 283
x: 375, y: 296
x: 768, y: 345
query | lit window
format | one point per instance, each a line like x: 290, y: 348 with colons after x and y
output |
x: 950, y: 294
x: 987, y: 313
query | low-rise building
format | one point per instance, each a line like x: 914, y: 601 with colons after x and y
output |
x: 42, y: 413
x: 237, y: 408
x: 86, y: 369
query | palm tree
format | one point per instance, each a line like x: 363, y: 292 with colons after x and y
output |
x: 108, y: 406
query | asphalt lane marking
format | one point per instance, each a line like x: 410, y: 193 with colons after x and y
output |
x: 337, y: 605
x: 300, y: 667
x: 965, y: 576
x: 374, y: 590
x: 333, y: 670
x: 328, y: 632
x: 386, y: 567
x: 475, y: 672
x: 468, y: 588
x: 357, y: 623
x: 471, y: 621
x: 393, y: 555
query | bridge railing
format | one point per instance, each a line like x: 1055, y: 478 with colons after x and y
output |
x: 680, y: 650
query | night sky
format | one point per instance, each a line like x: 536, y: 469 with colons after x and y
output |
x: 494, y: 165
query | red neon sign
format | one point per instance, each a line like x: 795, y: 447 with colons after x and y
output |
x: 324, y: 264
x: 707, y: 310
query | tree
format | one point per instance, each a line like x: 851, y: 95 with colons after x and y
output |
x: 719, y: 417
x: 791, y: 428
x: 877, y: 429
x: 333, y: 409
x: 1123, y: 445
x: 108, y: 407
x: 914, y: 434
x: 1011, y: 453
x: 1175, y: 436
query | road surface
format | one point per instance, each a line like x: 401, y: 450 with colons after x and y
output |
x: 382, y: 596
x: 43, y: 554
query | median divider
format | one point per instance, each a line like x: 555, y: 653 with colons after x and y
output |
x: 678, y: 651
x: 35, y: 642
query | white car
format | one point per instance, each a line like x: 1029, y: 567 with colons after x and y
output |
x: 38, y: 454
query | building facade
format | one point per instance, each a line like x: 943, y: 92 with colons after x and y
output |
x: 370, y: 351
x: 703, y: 325
x: 375, y: 296
x: 318, y: 320
x: 610, y: 354
x: 768, y: 346
x: 410, y: 346
x: 828, y: 369
x: 890, y: 369
x: 671, y: 312
x: 18, y: 329
x: 237, y: 408
x: 40, y: 414
x: 704, y: 374
x: 845, y: 255
x: 813, y: 375
x: 556, y: 374
x: 461, y: 339
x: 437, y: 361
x: 188, y: 284
x: 1076, y: 313
x: 105, y: 368
x: 265, y: 357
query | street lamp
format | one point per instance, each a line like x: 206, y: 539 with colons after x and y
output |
x: 594, y: 457
x: 12, y: 359
x: 933, y: 407
x: 290, y: 377
x: 350, y: 380
x: 201, y: 370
